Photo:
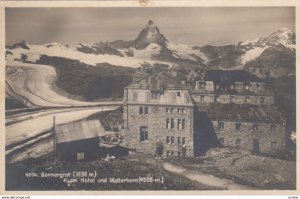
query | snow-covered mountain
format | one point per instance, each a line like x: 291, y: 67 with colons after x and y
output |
x: 151, y: 46
x: 81, y: 68
x: 283, y: 36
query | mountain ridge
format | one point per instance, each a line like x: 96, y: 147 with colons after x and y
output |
x: 151, y: 44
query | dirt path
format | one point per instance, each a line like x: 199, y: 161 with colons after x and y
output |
x: 205, y: 178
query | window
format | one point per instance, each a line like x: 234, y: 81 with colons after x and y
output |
x: 262, y: 100
x: 221, y: 125
x: 216, y: 99
x: 221, y: 141
x: 238, y: 142
x: 273, y: 128
x: 183, y: 141
x: 168, y: 153
x: 143, y: 133
x: 273, y: 144
x: 135, y: 96
x: 178, y: 94
x: 232, y: 87
x: 168, y: 139
x: 143, y: 110
x: 172, y: 110
x: 178, y: 140
x: 155, y: 95
x: 231, y: 99
x: 172, y: 153
x: 247, y: 87
x: 202, y: 85
x: 178, y: 110
x: 80, y: 156
x: 172, y: 124
x: 172, y: 140
x: 247, y: 99
x: 179, y: 124
x: 202, y: 98
x: 178, y: 153
x: 168, y: 124
x: 255, y: 127
x: 238, y: 126
x: 168, y: 110
x: 183, y: 110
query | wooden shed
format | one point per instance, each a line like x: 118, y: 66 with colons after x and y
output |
x: 78, y: 141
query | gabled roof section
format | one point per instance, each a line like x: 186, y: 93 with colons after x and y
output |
x: 220, y: 76
x: 158, y: 81
x: 78, y: 131
x: 243, y: 113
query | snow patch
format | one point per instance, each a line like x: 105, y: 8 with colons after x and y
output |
x: 251, y: 54
x: 185, y: 51
x: 59, y: 50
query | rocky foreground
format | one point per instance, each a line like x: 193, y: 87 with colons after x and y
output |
x: 245, y: 168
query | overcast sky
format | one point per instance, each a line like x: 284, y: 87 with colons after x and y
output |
x: 195, y: 26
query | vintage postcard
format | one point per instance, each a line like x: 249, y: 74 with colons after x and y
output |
x: 149, y: 96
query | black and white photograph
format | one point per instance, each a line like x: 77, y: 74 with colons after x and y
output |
x: 150, y: 98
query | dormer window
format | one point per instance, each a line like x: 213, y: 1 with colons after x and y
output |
x: 216, y: 99
x: 202, y: 85
x: 221, y: 125
x: 247, y: 99
x: 155, y: 95
x: 232, y: 99
x: 247, y: 86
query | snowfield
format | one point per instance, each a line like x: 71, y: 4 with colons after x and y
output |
x: 185, y: 51
x: 151, y: 50
x: 252, y: 54
x: 59, y: 50
x: 36, y: 84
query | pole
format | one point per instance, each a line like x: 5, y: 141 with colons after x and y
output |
x: 54, y: 137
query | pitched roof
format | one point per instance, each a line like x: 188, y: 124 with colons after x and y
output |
x: 157, y: 81
x: 221, y: 76
x: 243, y: 113
x: 78, y: 131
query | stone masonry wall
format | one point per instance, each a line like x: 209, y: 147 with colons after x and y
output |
x: 155, y: 121
x: 246, y: 134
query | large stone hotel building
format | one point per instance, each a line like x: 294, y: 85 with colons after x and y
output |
x: 217, y: 108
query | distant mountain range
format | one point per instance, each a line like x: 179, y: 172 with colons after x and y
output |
x: 274, y: 53
x: 55, y: 74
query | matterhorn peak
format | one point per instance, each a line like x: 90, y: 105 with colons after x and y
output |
x: 150, y: 34
x: 150, y: 22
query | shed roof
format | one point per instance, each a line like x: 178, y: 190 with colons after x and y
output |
x: 78, y: 131
x: 243, y: 113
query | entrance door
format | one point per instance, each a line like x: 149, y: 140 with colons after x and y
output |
x: 256, y: 145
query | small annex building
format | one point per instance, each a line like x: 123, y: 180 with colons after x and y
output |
x: 78, y: 141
